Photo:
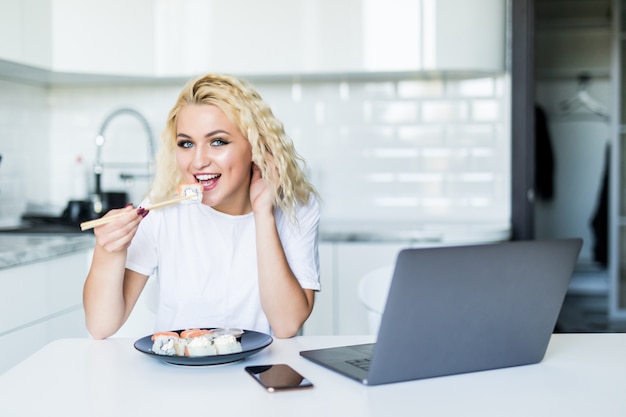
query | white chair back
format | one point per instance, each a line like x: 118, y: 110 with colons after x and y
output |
x: 373, y: 290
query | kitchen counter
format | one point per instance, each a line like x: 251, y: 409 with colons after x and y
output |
x: 19, y: 249
x: 412, y: 233
x: 41, y: 281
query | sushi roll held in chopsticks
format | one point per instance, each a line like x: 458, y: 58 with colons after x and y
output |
x: 191, y: 192
x: 187, y: 193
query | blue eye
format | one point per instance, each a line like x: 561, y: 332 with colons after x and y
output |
x: 184, y: 144
x: 218, y: 142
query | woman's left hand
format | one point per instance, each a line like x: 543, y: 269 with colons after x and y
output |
x: 261, y: 193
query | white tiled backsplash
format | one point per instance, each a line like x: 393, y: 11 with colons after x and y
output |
x: 401, y: 150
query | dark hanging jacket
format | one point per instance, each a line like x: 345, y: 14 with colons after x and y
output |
x: 544, y: 158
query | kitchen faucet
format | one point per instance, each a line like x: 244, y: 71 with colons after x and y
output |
x: 100, y: 139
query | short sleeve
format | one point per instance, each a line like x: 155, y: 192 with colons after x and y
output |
x: 142, y: 252
x: 300, y: 243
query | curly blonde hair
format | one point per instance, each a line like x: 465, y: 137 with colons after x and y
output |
x: 246, y: 109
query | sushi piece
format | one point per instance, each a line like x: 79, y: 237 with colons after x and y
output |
x: 227, y: 343
x: 199, y: 342
x: 187, y: 194
x: 164, y: 343
x: 191, y: 333
x: 191, y: 193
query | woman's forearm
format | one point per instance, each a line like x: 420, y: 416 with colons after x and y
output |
x: 110, y: 291
x: 103, y: 293
x: 285, y: 303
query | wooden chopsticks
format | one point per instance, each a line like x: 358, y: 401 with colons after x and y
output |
x: 104, y: 220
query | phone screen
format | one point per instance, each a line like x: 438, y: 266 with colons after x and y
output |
x: 278, y: 377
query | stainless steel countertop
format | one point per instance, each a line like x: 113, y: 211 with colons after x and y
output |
x: 20, y: 249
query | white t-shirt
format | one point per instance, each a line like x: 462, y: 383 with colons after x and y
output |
x: 206, y: 263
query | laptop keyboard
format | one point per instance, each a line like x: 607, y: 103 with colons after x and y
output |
x: 363, y: 363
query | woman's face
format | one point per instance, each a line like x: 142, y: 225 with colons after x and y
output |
x: 212, y: 151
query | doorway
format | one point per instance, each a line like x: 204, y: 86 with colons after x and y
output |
x: 572, y: 136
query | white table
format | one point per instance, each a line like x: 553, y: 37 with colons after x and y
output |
x: 581, y: 375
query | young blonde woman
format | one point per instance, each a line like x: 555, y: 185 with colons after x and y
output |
x: 247, y: 256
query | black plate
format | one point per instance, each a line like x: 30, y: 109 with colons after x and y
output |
x: 251, y: 343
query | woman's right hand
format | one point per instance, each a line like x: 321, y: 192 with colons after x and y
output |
x: 118, y: 234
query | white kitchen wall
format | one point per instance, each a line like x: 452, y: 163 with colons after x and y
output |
x: 386, y: 150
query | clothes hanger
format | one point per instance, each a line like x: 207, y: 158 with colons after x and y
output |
x: 585, y: 100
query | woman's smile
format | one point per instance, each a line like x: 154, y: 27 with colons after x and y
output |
x: 208, y: 181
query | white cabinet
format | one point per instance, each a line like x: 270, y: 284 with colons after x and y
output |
x: 25, y: 27
x: 41, y: 302
x: 463, y: 35
x: 103, y: 37
x: 327, y: 36
x: 23, y: 342
x: 268, y: 37
x: 338, y: 309
x: 353, y: 261
x: 115, y: 37
x: 170, y: 38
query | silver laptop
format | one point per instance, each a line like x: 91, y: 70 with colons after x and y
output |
x: 459, y: 309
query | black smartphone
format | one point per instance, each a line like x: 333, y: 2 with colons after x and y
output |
x: 279, y: 377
